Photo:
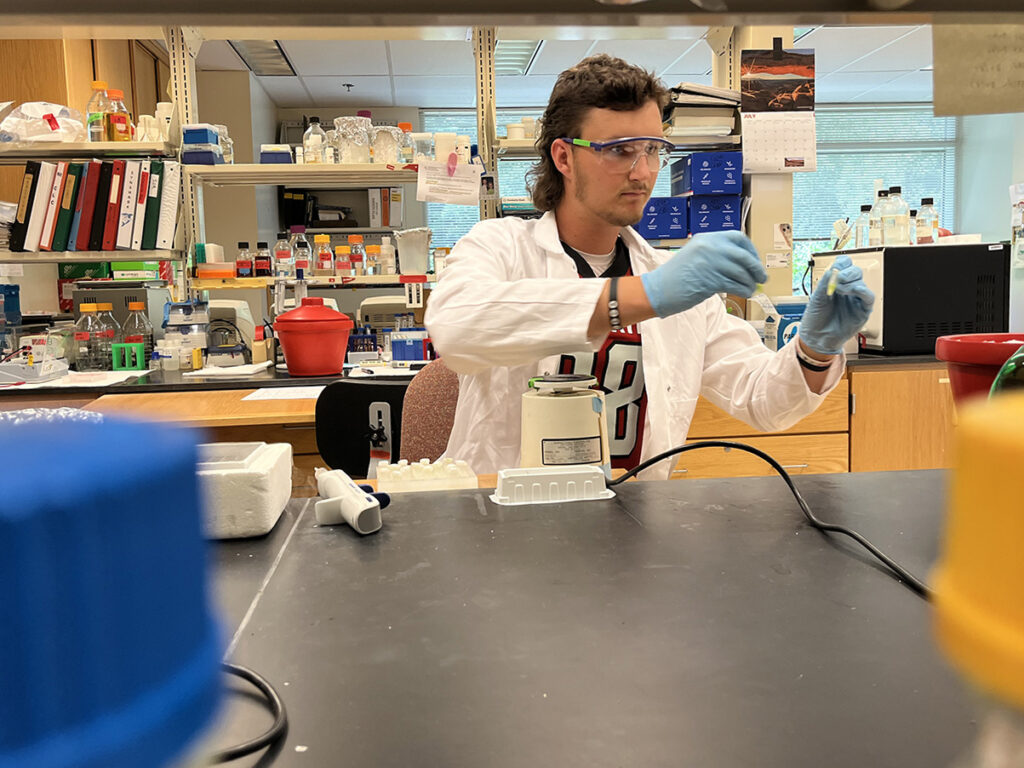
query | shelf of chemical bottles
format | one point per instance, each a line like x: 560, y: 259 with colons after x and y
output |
x: 15, y: 153
x: 365, y: 281
x: 58, y: 257
x: 350, y: 230
x: 356, y: 175
x: 511, y: 149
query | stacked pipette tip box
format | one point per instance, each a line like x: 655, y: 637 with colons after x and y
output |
x: 442, y: 475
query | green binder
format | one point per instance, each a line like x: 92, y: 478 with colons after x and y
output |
x: 67, y: 208
x: 153, y: 196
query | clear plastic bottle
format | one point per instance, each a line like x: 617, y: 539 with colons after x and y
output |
x: 405, y: 146
x: 896, y: 219
x: 137, y: 328
x: 119, y: 121
x: 875, y: 218
x: 387, y: 256
x: 109, y: 331
x: 263, y: 261
x: 87, y: 341
x: 284, y: 261
x: 913, y: 227
x: 243, y: 262
x: 97, y: 110
x: 314, y: 143
x: 302, y: 251
x: 355, y: 243
x: 927, y: 222
x: 324, y: 255
x: 862, y: 227
x: 372, y: 266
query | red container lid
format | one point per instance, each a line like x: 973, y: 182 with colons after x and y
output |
x: 978, y: 348
x: 313, y: 315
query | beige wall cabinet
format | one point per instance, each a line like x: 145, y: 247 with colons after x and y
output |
x: 903, y: 418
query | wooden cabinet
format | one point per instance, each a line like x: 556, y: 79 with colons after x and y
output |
x: 817, y: 444
x: 903, y: 418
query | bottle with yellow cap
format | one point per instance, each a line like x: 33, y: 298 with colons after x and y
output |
x: 979, y: 581
x: 85, y: 351
x: 96, y: 111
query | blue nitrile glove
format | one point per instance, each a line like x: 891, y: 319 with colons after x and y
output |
x: 712, y: 262
x: 829, y: 321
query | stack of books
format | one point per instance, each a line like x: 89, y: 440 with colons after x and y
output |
x: 109, y: 205
x: 701, y: 111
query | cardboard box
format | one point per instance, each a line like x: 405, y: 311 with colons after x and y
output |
x: 713, y: 213
x: 69, y: 272
x: 708, y: 173
x: 664, y: 217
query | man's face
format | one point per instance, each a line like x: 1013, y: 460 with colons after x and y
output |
x: 617, y: 198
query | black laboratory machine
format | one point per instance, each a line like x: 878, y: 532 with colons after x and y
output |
x: 926, y: 291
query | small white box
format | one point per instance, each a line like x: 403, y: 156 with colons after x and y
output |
x: 550, y: 485
x: 245, y: 487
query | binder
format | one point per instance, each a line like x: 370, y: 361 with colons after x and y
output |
x: 66, y: 212
x: 38, y: 213
x: 99, y: 213
x: 126, y: 216
x: 19, y: 228
x: 76, y: 213
x: 169, y: 199
x: 385, y: 206
x: 156, y: 179
x: 87, y: 196
x: 396, y: 207
x: 375, y: 202
x: 140, y: 205
x: 53, y: 206
x: 113, y: 205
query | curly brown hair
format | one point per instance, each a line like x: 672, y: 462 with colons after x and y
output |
x: 602, y: 82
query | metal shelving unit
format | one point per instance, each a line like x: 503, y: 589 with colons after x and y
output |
x: 335, y: 176
x: 55, y: 257
x: 350, y: 230
x: 366, y: 281
x: 16, y: 153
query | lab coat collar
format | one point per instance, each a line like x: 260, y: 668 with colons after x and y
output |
x: 546, y: 236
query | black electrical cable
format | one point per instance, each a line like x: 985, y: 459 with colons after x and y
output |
x: 803, y: 279
x: 904, y: 576
x: 274, y: 704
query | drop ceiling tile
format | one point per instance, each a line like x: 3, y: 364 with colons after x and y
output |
x: 913, y: 51
x: 844, y: 87
x: 528, y: 91
x: 838, y: 47
x: 652, y: 55
x: 218, y: 55
x: 337, y: 57
x: 911, y: 87
x: 436, y: 91
x: 555, y: 56
x: 286, y: 91
x: 431, y: 57
x: 368, y: 91
x: 696, y: 61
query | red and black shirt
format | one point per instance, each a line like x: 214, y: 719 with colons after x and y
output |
x: 618, y: 368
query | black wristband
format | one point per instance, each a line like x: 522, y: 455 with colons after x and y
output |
x: 613, y: 304
x: 811, y: 367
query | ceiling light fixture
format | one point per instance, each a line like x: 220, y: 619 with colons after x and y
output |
x: 514, y: 57
x: 265, y: 58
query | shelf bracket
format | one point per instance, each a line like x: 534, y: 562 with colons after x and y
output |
x: 484, y: 42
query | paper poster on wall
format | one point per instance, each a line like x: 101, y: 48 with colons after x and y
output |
x: 779, y: 142
x: 444, y: 183
x: 777, y: 80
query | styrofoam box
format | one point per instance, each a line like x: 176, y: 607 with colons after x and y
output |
x: 245, y: 487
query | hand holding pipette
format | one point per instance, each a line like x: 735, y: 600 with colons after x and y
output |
x: 838, y: 308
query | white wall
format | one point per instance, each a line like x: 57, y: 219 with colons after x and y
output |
x: 264, y: 131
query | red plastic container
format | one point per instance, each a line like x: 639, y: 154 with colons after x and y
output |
x: 974, y: 359
x: 314, y: 338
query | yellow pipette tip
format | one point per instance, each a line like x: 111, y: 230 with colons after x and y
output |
x: 833, y: 281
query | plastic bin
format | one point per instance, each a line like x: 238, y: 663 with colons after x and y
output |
x: 974, y: 359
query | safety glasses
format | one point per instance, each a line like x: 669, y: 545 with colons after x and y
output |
x: 622, y: 155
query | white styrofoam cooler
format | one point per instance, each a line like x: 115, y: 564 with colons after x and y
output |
x: 245, y: 487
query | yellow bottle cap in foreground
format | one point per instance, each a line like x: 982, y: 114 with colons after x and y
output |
x: 979, y: 581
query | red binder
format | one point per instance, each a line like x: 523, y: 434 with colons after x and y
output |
x: 88, y: 198
x: 113, y: 204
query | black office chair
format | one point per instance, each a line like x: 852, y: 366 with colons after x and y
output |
x: 359, y: 420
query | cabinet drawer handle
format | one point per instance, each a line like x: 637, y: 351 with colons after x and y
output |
x: 298, y: 426
x: 680, y: 471
x: 944, y: 381
x: 795, y: 466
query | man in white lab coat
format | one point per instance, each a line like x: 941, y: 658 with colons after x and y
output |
x: 648, y: 324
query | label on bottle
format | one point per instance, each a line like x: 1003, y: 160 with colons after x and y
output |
x: 95, y: 117
x: 107, y: 334
x: 118, y: 124
x: 875, y: 233
x: 302, y: 264
x: 283, y: 255
x: 134, y: 339
x: 81, y: 335
x: 262, y: 264
x: 243, y: 268
x: 924, y: 232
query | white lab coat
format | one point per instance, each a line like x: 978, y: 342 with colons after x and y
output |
x: 510, y: 302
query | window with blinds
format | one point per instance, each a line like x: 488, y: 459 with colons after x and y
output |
x: 450, y: 222
x: 901, y: 144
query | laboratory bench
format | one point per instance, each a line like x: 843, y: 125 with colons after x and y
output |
x: 700, y: 623
x: 888, y: 413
